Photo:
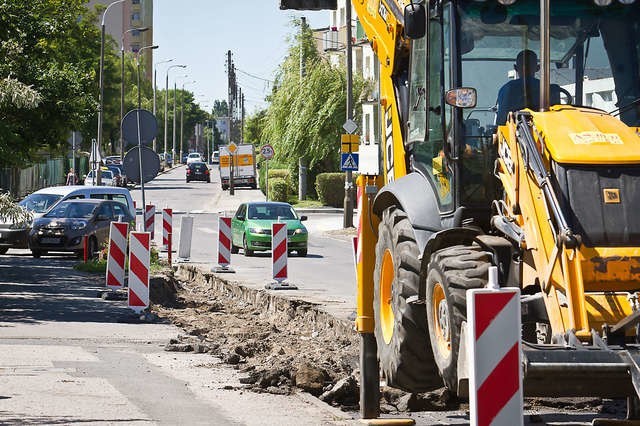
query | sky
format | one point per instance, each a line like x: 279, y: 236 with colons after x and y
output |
x: 198, y: 33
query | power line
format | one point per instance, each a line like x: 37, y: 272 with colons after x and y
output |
x: 253, y: 76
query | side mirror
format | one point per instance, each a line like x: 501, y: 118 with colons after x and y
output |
x: 462, y: 97
x: 415, y: 21
x: 303, y: 218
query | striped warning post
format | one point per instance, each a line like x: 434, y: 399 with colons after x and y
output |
x: 150, y: 219
x: 117, y: 254
x: 224, y: 241
x: 495, y: 379
x: 139, y: 256
x: 167, y: 220
x: 357, y: 240
x: 279, y: 251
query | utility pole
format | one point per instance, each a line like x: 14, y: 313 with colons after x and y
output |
x: 302, y: 162
x: 348, y: 183
x: 231, y: 75
x: 241, y: 116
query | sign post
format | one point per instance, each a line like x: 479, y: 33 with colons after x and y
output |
x: 232, y: 149
x: 267, y: 152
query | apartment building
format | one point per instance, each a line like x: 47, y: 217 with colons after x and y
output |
x: 124, y: 16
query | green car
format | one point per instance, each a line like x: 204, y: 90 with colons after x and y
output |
x: 251, y: 227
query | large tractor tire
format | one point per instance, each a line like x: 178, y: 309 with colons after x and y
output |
x: 451, y: 272
x: 406, y: 360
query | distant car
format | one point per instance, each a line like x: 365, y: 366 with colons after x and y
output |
x: 198, y: 171
x: 194, y: 157
x: 251, y: 227
x: 113, y: 159
x: 119, y: 178
x: 63, y: 228
x: 16, y: 235
x: 215, y: 157
x: 106, y: 178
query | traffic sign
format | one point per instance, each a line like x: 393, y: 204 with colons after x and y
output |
x: 350, y: 143
x: 148, y: 127
x: 150, y: 162
x: 232, y: 147
x: 267, y: 151
x: 350, y: 126
x: 349, y: 161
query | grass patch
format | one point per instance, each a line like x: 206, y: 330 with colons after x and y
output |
x: 304, y: 204
x: 93, y: 266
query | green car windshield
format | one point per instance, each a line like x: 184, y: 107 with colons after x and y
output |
x: 270, y: 212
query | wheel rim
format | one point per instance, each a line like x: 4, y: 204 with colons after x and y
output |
x: 387, y: 317
x: 441, y: 320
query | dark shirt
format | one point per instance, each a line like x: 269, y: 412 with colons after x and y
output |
x: 512, y: 97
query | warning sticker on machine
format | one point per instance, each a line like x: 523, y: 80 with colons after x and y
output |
x: 588, y: 138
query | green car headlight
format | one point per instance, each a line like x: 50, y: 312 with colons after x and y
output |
x: 258, y: 231
x: 300, y: 231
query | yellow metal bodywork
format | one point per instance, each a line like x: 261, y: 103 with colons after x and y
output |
x: 584, y: 287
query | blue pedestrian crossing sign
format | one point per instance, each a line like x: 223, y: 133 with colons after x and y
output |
x: 349, y: 161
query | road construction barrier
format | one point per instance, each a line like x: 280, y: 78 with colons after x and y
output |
x: 117, y: 254
x: 150, y: 220
x: 167, y: 220
x: 279, y: 252
x: 495, y: 379
x: 186, y: 232
x: 224, y: 245
x: 139, y: 257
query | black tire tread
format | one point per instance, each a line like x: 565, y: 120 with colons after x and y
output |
x: 462, y: 268
x: 407, y: 360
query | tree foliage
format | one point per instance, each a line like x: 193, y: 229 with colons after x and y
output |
x: 50, y: 51
x: 306, y: 113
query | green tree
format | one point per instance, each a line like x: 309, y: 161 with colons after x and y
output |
x: 48, y: 85
x: 254, y: 126
x: 305, y: 116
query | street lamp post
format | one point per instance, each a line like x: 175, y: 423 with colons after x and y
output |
x: 166, y: 107
x: 155, y: 78
x: 101, y: 81
x: 173, y: 138
x: 141, y: 29
x: 138, y: 70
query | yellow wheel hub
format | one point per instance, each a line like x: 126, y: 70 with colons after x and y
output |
x: 440, y: 315
x: 387, y: 274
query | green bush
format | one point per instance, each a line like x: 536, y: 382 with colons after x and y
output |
x: 278, y: 189
x: 330, y: 189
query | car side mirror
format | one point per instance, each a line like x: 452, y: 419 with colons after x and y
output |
x: 303, y: 218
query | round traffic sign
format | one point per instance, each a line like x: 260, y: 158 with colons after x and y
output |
x: 147, y: 123
x: 150, y: 164
x: 267, y: 151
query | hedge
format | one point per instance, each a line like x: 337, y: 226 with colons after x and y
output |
x: 278, y: 189
x: 330, y: 189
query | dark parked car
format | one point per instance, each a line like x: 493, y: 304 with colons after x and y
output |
x: 198, y: 171
x: 63, y: 227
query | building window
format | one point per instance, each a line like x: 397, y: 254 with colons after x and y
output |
x: 135, y: 1
x: 135, y: 33
x: 135, y: 48
x: 135, y: 17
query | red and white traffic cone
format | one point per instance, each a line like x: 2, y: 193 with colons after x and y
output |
x: 139, y: 258
x: 279, y: 257
x: 224, y: 245
x: 117, y: 255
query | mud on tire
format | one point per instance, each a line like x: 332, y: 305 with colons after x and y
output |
x: 451, y: 272
x: 406, y: 360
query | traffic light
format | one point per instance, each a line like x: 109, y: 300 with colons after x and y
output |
x: 308, y: 4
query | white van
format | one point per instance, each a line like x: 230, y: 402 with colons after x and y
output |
x: 44, y: 199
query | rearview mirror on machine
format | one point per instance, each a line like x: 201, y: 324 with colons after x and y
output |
x: 463, y: 97
x: 415, y: 21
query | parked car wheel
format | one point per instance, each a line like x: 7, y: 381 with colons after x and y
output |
x: 92, y: 247
x: 234, y: 249
x: 3, y: 250
x: 247, y: 252
x: 302, y: 253
x: 37, y: 254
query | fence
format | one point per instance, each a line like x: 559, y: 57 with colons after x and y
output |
x: 49, y: 172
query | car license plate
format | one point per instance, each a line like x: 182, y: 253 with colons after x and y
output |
x: 50, y: 241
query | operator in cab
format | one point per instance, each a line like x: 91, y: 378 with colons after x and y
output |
x: 524, y: 91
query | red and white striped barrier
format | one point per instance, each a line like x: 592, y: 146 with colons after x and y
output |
x: 117, y: 254
x: 167, y: 220
x: 495, y: 379
x: 279, y: 257
x: 224, y: 245
x: 139, y: 257
x: 150, y: 220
